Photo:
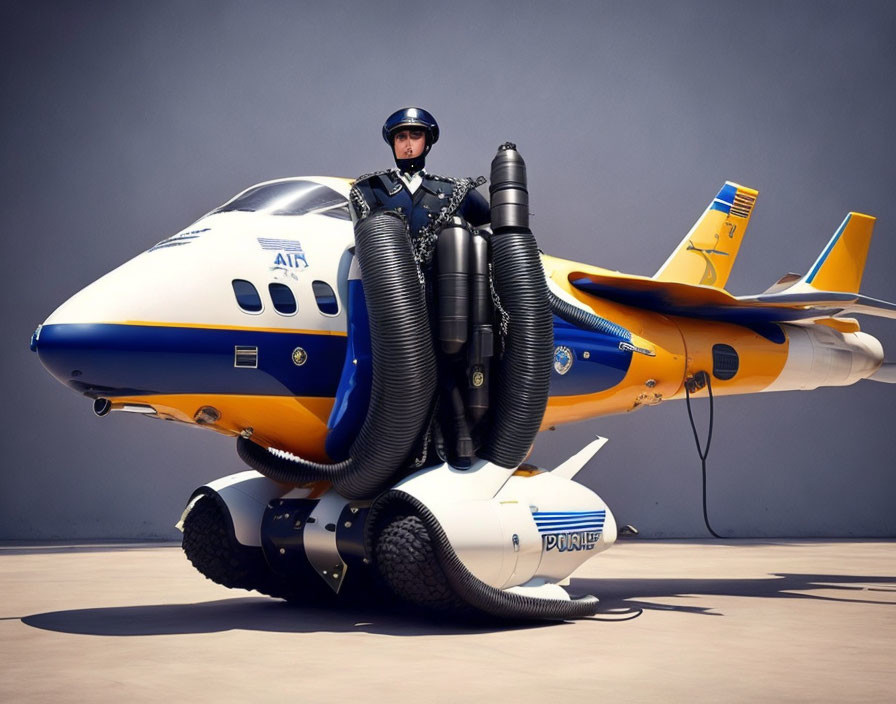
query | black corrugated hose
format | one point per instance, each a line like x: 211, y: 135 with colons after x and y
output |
x: 584, y: 319
x: 523, y: 378
x: 469, y: 588
x: 403, y: 367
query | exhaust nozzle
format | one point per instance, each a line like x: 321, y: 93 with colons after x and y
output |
x: 102, y: 406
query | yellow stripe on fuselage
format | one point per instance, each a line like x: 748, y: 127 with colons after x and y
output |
x: 297, y: 424
x: 205, y: 326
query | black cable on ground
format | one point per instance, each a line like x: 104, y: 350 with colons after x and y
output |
x: 700, y: 451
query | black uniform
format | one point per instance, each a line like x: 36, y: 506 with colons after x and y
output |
x: 434, y: 202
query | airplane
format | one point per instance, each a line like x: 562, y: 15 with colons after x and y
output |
x: 246, y: 323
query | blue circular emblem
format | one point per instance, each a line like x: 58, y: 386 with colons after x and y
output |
x: 562, y: 359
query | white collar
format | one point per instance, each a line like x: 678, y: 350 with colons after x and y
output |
x: 412, y: 181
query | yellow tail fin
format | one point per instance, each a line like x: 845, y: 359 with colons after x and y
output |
x: 706, y: 254
x: 841, y: 264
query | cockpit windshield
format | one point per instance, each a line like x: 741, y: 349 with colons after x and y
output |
x: 289, y: 198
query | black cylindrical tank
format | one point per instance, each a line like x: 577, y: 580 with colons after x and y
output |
x: 453, y: 262
x: 508, y: 190
x: 523, y: 377
x: 481, y: 345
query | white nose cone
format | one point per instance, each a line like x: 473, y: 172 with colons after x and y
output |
x: 184, y: 284
x: 108, y: 299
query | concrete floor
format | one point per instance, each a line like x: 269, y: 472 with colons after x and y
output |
x: 734, y: 621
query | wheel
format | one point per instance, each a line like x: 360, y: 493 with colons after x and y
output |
x: 406, y: 561
x: 418, y: 564
x: 212, y: 549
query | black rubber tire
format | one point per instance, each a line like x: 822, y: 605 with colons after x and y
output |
x: 407, y: 563
x: 211, y: 547
x: 420, y: 565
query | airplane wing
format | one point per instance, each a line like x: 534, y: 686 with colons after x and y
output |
x: 673, y: 298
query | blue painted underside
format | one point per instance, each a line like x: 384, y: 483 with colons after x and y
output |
x: 353, y: 393
x: 605, y: 367
x: 122, y: 360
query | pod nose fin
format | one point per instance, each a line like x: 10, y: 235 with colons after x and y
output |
x: 35, y: 336
x: 574, y: 464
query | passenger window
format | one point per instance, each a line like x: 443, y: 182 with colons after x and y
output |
x: 284, y: 301
x: 326, y: 298
x: 247, y: 296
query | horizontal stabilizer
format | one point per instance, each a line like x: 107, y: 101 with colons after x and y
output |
x: 847, y: 303
x: 706, y: 254
x: 783, y: 283
x: 886, y: 373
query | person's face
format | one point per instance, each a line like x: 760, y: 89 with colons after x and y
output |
x: 409, y: 144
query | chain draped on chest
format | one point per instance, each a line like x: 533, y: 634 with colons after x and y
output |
x: 440, y: 203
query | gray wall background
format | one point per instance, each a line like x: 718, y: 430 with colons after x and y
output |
x: 124, y: 121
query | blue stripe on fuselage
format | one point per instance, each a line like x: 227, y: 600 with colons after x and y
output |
x: 105, y: 359
x: 119, y: 359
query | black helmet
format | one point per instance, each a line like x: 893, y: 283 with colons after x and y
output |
x: 412, y: 117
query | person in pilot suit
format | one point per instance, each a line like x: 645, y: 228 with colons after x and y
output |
x: 427, y: 202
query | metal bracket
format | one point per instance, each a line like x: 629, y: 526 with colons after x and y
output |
x: 320, y: 540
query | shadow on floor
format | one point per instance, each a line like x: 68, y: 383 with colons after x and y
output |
x: 630, y: 593
x: 255, y: 614
x: 621, y: 600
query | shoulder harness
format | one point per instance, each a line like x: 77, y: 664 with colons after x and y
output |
x: 388, y: 178
x: 425, y: 242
